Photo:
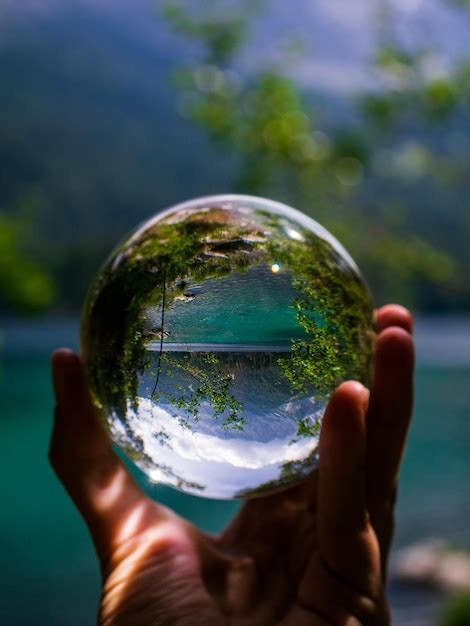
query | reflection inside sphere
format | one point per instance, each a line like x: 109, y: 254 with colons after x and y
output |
x: 213, y: 338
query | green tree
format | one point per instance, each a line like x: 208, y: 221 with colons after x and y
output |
x: 456, y: 611
x: 271, y: 129
x: 24, y: 285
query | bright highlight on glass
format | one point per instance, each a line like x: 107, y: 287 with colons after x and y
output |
x: 213, y: 338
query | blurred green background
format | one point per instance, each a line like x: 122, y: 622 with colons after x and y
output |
x: 358, y: 114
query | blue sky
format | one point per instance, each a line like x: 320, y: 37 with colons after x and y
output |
x: 338, y: 35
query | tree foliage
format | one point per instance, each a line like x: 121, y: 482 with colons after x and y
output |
x: 272, y: 128
x: 331, y: 339
x: 24, y: 285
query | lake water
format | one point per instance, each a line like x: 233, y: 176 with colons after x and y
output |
x: 49, y: 571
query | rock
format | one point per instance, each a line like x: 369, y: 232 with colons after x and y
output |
x: 433, y: 563
x: 185, y: 297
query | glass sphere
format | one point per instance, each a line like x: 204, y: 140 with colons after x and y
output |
x: 214, y: 336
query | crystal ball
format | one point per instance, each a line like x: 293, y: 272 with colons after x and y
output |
x: 214, y: 336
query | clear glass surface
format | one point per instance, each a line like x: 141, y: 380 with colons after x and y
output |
x: 214, y: 336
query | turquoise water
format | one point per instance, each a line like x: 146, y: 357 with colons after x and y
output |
x: 49, y: 571
x: 249, y: 307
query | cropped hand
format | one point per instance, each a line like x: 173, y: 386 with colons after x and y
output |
x: 313, y: 555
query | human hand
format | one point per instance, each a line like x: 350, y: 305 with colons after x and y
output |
x: 312, y: 555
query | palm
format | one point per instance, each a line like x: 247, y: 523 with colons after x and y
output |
x: 314, y: 554
x: 170, y: 572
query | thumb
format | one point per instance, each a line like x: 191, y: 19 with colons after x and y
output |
x: 82, y: 456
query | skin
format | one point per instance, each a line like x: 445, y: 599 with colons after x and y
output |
x: 313, y: 555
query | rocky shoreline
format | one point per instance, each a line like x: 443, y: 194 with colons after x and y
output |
x: 423, y: 577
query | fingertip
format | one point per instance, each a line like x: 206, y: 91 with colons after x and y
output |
x: 63, y: 352
x: 344, y: 419
x: 350, y: 397
x: 354, y: 390
x: 69, y: 384
x: 396, y: 343
x: 61, y: 361
x: 64, y: 360
x: 394, y: 315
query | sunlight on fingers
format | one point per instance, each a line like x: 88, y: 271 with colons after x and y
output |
x: 106, y: 498
x: 132, y: 523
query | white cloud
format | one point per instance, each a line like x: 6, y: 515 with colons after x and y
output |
x: 223, y: 466
x: 200, y: 447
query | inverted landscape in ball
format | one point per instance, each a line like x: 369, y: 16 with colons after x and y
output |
x: 213, y: 338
